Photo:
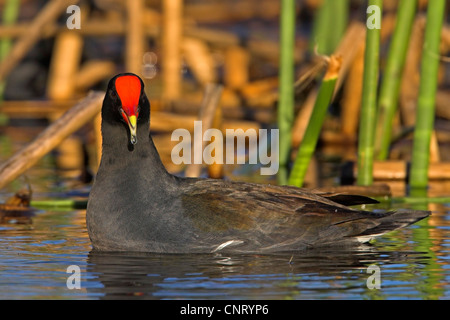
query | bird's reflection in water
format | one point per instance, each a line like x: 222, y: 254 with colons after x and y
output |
x: 222, y: 276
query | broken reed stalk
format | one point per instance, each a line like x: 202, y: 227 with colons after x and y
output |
x: 208, y: 109
x: 68, y: 123
x: 390, y: 86
x: 65, y: 63
x: 312, y: 133
x: 172, y: 33
x: 427, y: 95
x: 286, y: 76
x: 369, y: 101
x: 9, y: 17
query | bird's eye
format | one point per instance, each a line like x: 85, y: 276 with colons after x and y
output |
x: 113, y: 94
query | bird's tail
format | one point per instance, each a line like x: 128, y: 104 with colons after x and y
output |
x: 392, y: 221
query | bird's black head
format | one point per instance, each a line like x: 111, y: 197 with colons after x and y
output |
x: 126, y: 103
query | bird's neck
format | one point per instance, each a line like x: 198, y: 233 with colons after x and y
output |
x: 118, y: 153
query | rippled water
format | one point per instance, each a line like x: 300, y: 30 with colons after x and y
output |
x: 413, y: 264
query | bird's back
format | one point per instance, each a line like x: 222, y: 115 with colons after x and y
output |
x: 266, y: 218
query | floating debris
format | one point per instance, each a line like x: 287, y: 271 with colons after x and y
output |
x: 17, y: 209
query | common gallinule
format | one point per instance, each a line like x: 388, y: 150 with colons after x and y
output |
x: 136, y: 205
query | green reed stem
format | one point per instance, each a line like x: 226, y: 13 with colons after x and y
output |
x: 321, y: 27
x: 326, y: 35
x: 390, y: 86
x: 9, y: 17
x: 369, y: 101
x: 60, y: 204
x: 312, y: 133
x: 286, y: 76
x: 341, y: 9
x: 427, y: 95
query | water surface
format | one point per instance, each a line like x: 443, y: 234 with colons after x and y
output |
x: 413, y: 264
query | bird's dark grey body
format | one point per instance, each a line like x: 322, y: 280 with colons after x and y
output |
x: 136, y: 205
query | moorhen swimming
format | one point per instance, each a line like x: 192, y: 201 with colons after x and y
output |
x: 136, y: 205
